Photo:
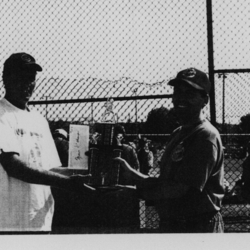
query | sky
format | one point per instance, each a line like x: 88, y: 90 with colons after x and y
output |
x: 146, y: 41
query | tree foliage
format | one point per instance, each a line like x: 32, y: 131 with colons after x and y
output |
x: 161, y: 121
x: 245, y: 124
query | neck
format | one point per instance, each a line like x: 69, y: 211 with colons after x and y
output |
x: 16, y: 103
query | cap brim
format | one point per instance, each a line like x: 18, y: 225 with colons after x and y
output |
x: 34, y: 66
x: 176, y: 80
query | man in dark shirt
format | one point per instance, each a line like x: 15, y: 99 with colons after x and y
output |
x: 189, y: 190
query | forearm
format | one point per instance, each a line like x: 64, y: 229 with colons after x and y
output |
x: 139, y: 177
x: 19, y: 170
x: 153, y: 188
x: 43, y: 177
x: 131, y: 173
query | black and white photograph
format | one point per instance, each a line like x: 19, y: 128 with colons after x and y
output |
x: 124, y: 123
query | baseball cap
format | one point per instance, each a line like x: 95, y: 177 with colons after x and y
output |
x: 194, y: 77
x: 61, y: 132
x: 20, y: 62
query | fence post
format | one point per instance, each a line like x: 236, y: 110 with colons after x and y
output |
x: 211, y: 60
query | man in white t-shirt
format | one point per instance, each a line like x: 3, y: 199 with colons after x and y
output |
x: 27, y: 154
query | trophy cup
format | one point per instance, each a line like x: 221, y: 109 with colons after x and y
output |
x: 103, y: 149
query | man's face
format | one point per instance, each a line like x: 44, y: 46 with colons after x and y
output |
x: 188, y: 102
x: 21, y: 86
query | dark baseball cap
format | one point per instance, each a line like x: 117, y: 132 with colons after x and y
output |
x: 194, y: 77
x: 20, y: 62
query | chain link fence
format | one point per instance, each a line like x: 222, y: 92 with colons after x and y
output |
x: 93, y: 50
x: 231, y: 98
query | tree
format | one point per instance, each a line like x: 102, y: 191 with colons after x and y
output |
x: 245, y: 124
x: 161, y: 121
x: 242, y: 142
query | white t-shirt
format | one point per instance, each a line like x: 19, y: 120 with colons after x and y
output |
x: 24, y: 206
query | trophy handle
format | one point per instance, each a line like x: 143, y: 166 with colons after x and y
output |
x: 117, y: 153
x: 93, y: 162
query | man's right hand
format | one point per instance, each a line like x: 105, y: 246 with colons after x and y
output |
x: 129, y: 172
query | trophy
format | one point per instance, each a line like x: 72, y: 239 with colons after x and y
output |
x: 103, y: 148
x: 109, y: 116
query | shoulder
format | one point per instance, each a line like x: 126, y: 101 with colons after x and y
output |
x: 127, y: 147
x: 36, y: 121
x: 207, y: 132
x: 36, y: 115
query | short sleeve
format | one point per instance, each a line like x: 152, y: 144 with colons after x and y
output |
x: 8, y: 140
